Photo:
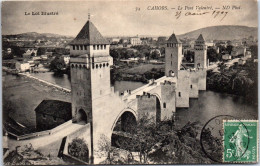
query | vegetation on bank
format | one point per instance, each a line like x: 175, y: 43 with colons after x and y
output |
x: 239, y: 80
x: 159, y: 143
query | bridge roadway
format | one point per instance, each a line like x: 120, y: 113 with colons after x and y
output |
x: 46, y: 140
x: 148, y: 87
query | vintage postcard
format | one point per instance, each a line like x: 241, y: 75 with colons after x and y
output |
x: 130, y: 82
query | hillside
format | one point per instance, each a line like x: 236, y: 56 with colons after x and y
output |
x: 224, y: 32
x: 35, y: 35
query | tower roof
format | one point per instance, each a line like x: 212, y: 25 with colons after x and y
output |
x: 173, y: 39
x: 89, y: 34
x: 200, y: 38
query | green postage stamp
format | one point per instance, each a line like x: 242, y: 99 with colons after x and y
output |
x: 240, y: 141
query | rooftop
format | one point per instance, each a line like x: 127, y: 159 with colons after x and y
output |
x: 55, y: 108
x: 173, y: 39
x: 89, y: 35
x: 200, y: 38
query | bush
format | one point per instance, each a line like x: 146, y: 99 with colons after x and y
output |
x: 79, y: 149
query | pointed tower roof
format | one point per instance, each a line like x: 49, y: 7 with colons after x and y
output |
x: 89, y: 34
x: 200, y: 38
x: 173, y: 39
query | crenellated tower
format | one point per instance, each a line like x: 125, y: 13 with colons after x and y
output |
x: 200, y: 53
x: 90, y: 70
x: 173, y: 56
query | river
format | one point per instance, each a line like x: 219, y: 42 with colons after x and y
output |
x: 208, y: 105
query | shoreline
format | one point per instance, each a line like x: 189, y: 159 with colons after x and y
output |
x: 46, y: 82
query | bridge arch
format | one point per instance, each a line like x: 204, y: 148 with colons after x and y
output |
x: 128, y: 115
x: 82, y: 116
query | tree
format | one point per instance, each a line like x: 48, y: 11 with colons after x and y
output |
x: 17, y: 51
x: 213, y: 56
x: 161, y: 143
x: 57, y: 65
x: 114, y: 53
x: 41, y: 51
x: 79, y: 149
x: 229, y: 49
x: 155, y: 54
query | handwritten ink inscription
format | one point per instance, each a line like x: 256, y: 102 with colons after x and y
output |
x: 215, y: 14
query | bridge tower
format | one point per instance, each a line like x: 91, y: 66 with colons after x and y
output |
x: 173, y: 56
x: 90, y: 73
x: 200, y: 57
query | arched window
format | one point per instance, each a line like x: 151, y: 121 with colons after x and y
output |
x: 85, y: 47
x: 101, y: 47
x: 81, y: 47
x: 179, y: 94
x: 191, y: 86
x: 97, y: 47
x: 164, y: 105
x: 94, y: 47
x: 73, y: 47
x: 105, y: 46
x: 82, y: 116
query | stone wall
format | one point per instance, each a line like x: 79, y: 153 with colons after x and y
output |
x: 202, y: 78
x: 146, y: 104
x: 173, y: 58
x: 194, y: 89
x: 168, y: 97
x: 46, y: 122
x: 183, y: 89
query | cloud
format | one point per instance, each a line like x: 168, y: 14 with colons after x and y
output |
x: 121, y: 18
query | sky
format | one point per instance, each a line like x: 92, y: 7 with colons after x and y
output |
x: 120, y: 18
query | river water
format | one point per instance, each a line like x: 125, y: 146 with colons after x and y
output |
x: 208, y: 105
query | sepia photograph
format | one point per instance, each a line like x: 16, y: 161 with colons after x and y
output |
x: 130, y: 82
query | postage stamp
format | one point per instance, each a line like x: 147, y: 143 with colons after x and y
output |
x: 240, y: 141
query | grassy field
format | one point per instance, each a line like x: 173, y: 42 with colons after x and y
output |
x: 142, y: 68
x: 22, y: 95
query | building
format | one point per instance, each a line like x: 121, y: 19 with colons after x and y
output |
x: 248, y: 54
x: 44, y: 57
x: 226, y: 57
x: 173, y: 56
x: 135, y: 41
x: 161, y: 40
x: 241, y: 61
x: 66, y: 59
x: 52, y: 113
x: 210, y: 44
x: 30, y: 52
x: 9, y: 50
x: 200, y: 57
x: 90, y: 70
x: 22, y: 66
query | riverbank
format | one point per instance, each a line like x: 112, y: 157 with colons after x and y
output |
x: 21, y: 95
x: 138, y: 73
x: 46, y: 82
x: 240, y: 80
